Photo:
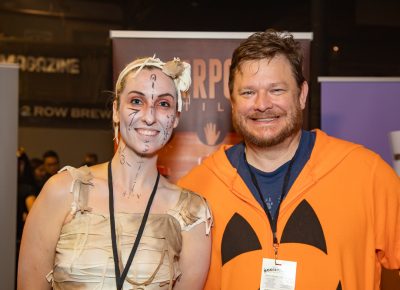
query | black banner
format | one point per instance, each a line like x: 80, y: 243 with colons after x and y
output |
x: 65, y: 115
x: 62, y: 85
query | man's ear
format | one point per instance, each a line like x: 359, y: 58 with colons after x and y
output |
x: 115, y: 112
x: 303, y: 95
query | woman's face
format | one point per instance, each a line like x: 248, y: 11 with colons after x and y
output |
x: 147, y: 111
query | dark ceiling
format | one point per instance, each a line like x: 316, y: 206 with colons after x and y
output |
x: 366, y: 32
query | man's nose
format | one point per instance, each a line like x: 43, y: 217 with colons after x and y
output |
x: 263, y: 101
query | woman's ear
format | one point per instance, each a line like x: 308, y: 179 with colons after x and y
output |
x: 176, y: 121
x: 115, y: 112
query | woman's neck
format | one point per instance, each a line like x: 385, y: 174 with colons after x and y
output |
x: 133, y: 174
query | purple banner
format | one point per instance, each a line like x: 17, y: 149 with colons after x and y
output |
x: 361, y: 110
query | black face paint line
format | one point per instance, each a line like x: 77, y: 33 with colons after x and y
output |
x: 153, y: 79
x: 132, y: 188
x: 167, y: 128
x: 122, y: 157
x: 152, y: 108
x: 132, y: 115
x: 146, y: 146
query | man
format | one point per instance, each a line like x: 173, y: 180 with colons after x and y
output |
x: 293, y: 209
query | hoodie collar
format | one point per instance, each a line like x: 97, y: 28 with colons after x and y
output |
x: 328, y: 152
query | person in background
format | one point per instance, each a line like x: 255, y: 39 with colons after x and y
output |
x: 40, y: 177
x: 39, y: 172
x: 90, y: 159
x: 120, y: 225
x: 51, y: 163
x: 293, y: 209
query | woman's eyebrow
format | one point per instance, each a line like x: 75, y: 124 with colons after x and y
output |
x: 166, y: 95
x: 135, y: 92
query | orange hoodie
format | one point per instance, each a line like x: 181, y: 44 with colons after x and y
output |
x: 340, y: 221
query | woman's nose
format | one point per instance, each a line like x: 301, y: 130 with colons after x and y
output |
x: 149, y: 115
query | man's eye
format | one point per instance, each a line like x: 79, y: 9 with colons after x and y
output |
x: 277, y: 91
x: 246, y: 93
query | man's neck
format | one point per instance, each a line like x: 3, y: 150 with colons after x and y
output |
x: 268, y: 159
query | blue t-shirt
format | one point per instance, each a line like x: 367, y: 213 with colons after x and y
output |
x: 270, y: 183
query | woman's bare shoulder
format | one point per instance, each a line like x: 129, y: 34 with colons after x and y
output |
x: 57, y: 185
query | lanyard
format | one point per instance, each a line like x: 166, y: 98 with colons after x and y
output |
x: 273, y: 221
x: 120, y: 279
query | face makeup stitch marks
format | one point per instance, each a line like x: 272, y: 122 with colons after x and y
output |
x: 146, y: 146
x: 124, y: 161
x: 122, y: 157
x: 132, y: 187
x: 153, y: 79
x: 132, y: 116
x: 167, y: 131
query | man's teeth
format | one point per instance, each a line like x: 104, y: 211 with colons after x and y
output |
x: 264, y: 119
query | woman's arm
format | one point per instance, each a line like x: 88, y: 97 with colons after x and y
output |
x: 194, y: 259
x: 41, y: 233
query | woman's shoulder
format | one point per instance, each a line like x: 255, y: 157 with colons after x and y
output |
x: 55, y: 194
x: 68, y: 180
x: 58, y: 183
x: 191, y: 210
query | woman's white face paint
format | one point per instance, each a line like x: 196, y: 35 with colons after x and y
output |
x: 147, y: 112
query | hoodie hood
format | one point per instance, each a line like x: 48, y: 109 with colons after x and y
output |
x: 328, y: 152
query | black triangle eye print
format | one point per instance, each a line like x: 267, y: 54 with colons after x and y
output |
x: 239, y: 238
x: 304, y: 227
x: 339, y: 286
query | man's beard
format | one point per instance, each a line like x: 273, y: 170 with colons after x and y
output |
x: 294, y: 125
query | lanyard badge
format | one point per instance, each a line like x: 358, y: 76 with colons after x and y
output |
x: 278, y: 275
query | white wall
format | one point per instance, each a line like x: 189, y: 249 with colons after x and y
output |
x: 8, y: 173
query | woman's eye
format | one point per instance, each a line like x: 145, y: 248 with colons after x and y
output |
x: 165, y: 104
x: 136, y: 101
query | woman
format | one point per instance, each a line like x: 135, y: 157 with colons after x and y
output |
x: 85, y: 230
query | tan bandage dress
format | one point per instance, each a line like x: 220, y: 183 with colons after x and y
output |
x: 84, y: 258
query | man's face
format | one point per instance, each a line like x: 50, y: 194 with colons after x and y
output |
x: 266, y: 102
x: 51, y: 165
